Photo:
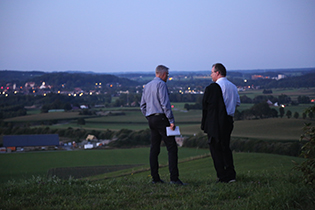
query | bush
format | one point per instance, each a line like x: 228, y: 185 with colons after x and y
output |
x: 128, y: 138
x: 200, y: 141
x: 249, y: 145
x: 308, y: 152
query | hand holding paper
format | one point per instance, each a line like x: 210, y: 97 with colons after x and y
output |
x: 170, y: 132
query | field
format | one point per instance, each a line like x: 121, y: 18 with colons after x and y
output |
x: 25, y: 165
x: 263, y: 182
x: 293, y: 93
x: 188, y: 121
x: 120, y: 178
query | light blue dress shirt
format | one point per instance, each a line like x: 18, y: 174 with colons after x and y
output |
x: 155, y: 99
x: 230, y: 95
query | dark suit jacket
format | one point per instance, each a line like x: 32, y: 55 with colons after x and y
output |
x: 214, y: 115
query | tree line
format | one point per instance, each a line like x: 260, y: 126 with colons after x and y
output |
x: 123, y: 138
x: 261, y: 109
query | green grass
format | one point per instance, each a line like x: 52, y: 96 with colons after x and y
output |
x: 263, y: 182
x: 25, y: 165
x: 299, y: 108
x: 272, y: 128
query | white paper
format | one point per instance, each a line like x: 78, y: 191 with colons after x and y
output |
x: 170, y: 132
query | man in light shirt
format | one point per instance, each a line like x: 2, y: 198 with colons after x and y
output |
x: 218, y: 107
x: 156, y: 107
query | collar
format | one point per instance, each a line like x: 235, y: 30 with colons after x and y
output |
x: 158, y: 78
x: 222, y: 78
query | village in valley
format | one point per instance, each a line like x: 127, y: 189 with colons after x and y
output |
x: 91, y: 94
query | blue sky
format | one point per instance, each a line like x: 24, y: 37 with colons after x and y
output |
x: 137, y: 35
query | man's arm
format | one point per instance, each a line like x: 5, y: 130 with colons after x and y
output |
x: 204, y: 109
x: 143, y: 104
x: 165, y: 103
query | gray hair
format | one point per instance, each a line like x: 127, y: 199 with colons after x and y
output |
x: 160, y: 69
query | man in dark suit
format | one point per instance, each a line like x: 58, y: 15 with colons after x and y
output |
x: 218, y: 106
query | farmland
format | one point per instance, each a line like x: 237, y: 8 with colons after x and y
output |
x: 120, y: 179
x: 26, y: 165
x: 291, y: 92
x: 188, y: 121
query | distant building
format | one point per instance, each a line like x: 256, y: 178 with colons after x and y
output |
x: 254, y: 77
x: 91, y: 137
x: 281, y: 76
x: 13, y: 141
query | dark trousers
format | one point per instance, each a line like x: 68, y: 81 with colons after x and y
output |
x: 222, y: 155
x: 158, y: 124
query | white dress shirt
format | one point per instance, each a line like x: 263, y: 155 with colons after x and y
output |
x: 230, y: 95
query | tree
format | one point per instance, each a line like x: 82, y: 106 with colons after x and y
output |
x: 247, y: 114
x: 245, y: 99
x: 296, y: 115
x: 187, y: 107
x: 260, y: 99
x: 304, y: 100
x: 266, y: 91
x: 281, y: 110
x: 261, y: 110
x: 67, y: 106
x: 284, y: 99
x: 304, y: 115
x: 289, y: 114
x: 273, y: 113
x: 308, y: 152
x: 81, y: 121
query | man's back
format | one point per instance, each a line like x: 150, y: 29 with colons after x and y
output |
x: 230, y: 95
x: 155, y: 99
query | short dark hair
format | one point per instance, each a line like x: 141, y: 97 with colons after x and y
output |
x: 220, y: 68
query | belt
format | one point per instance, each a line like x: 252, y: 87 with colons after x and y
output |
x: 156, y: 114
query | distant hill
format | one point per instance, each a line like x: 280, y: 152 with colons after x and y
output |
x: 302, y: 77
x: 69, y: 80
x: 9, y: 76
x: 82, y: 79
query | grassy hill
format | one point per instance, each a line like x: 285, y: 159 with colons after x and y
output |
x: 263, y: 182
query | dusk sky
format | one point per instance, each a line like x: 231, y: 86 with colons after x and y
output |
x: 137, y: 35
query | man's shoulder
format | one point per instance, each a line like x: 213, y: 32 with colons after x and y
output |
x: 213, y: 86
x: 225, y: 81
x: 155, y: 82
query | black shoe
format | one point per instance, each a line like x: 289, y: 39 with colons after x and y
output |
x: 178, y: 182
x: 160, y: 181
